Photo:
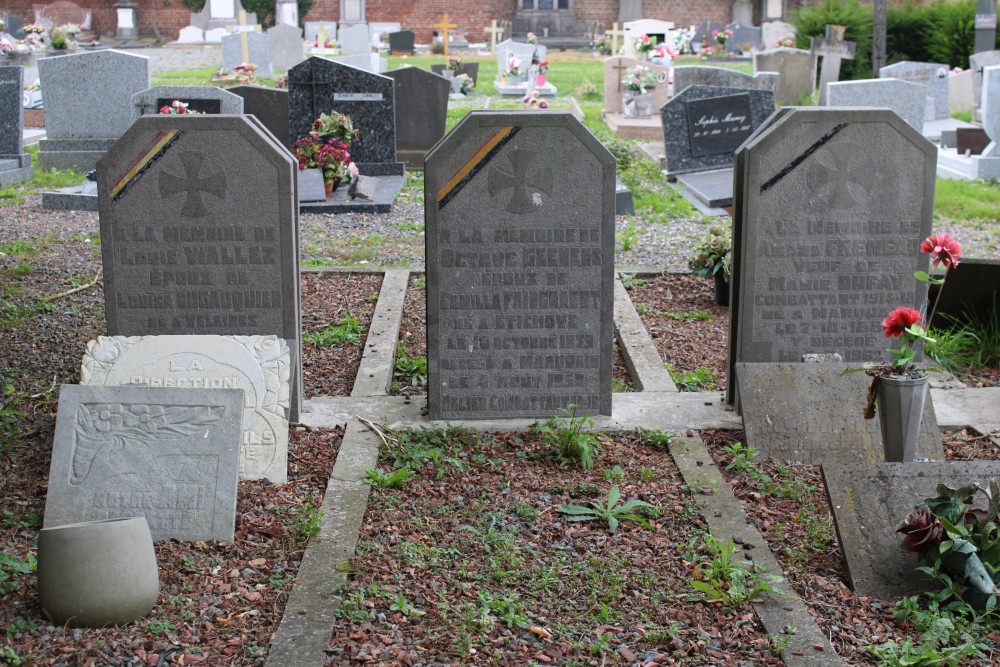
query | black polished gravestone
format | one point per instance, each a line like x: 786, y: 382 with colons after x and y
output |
x: 520, y: 210
x: 704, y: 125
x: 401, y: 42
x: 830, y: 207
x: 318, y: 86
x: 421, y: 113
x: 270, y: 106
x: 199, y: 232
x: 15, y: 164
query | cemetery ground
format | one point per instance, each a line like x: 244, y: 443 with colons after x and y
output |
x: 471, y: 560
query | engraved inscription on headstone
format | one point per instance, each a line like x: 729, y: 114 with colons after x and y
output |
x: 259, y: 365
x: 357, y: 97
x: 719, y: 124
x: 826, y: 233
x: 520, y: 210
x: 170, y: 455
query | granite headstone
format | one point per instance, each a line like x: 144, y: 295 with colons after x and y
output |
x: 702, y: 37
x: 284, y: 46
x: 657, y: 31
x: 259, y: 365
x: 977, y: 61
x: 421, y: 113
x: 355, y: 39
x: 520, y: 50
x: 810, y: 414
x: 401, y: 42
x: 797, y: 73
x: 203, y: 99
x: 616, y: 67
x: 270, y: 106
x: 520, y: 213
x: 318, y: 32
x: 704, y: 125
x: 199, y: 232
x: 932, y: 75
x: 745, y: 39
x: 15, y: 164
x: 170, y: 455
x: 826, y: 233
x: 698, y: 75
x: 907, y: 99
x: 87, y: 105
x: 319, y: 86
x: 870, y: 500
x: 248, y: 46
x: 775, y: 33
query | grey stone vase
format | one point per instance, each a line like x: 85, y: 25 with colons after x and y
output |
x: 97, y: 573
x: 900, y: 406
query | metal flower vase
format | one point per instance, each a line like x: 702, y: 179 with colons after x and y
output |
x: 900, y: 404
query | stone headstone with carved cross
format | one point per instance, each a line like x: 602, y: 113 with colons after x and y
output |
x: 199, y: 232
x: 826, y: 233
x: 319, y: 86
x: 520, y: 210
x: 616, y: 67
x: 203, y: 99
x: 833, y: 49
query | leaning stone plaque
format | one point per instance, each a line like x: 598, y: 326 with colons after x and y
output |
x: 869, y: 500
x: 170, y: 455
x: 831, y: 207
x: 259, y: 365
x: 199, y: 232
x: 520, y: 251
x: 809, y: 413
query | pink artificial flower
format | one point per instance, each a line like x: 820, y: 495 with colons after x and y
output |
x: 543, y: 105
x: 943, y: 250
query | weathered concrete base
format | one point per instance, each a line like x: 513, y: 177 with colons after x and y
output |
x: 643, y: 129
x: 708, y: 189
x: 339, y: 202
x: 69, y: 199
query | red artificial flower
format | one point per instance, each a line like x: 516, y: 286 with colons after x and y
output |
x: 920, y: 530
x: 894, y: 326
x: 943, y: 249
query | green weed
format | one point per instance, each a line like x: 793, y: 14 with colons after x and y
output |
x: 160, y: 626
x: 346, y: 331
x: 700, y: 379
x: 693, y: 316
x: 612, y: 510
x: 629, y: 237
x: 573, y: 444
x: 308, y: 522
x: 629, y: 280
x: 396, y: 479
x: 13, y: 569
x: 410, y: 370
x: 722, y: 578
x: 22, y: 269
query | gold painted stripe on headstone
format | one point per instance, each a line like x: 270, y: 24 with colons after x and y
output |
x: 157, y: 147
x: 474, y: 161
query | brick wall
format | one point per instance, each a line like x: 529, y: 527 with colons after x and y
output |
x: 168, y: 16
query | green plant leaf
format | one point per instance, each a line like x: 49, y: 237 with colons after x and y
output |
x: 575, y: 509
x: 614, y: 495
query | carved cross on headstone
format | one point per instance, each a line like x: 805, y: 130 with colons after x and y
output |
x: 444, y: 26
x: 986, y: 26
x: 524, y: 178
x: 193, y: 185
x: 322, y: 36
x: 614, y: 33
x: 619, y: 67
x: 495, y: 33
x: 833, y: 48
x: 842, y: 176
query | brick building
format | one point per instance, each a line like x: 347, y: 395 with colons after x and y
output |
x: 167, y: 17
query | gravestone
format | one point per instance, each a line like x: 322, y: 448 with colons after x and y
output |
x: 972, y: 289
x: 520, y: 213
x: 318, y: 32
x: 319, y: 86
x: 704, y: 125
x: 977, y: 62
x: 470, y: 68
x: 15, y: 164
x: 520, y: 50
x: 248, y: 46
x: 170, y: 455
x: 87, y: 105
x: 985, y: 26
x: 401, y: 42
x: 355, y: 39
x: 379, y: 32
x: 870, y: 500
x: 270, y: 106
x: 774, y: 33
x: 697, y: 75
x: 746, y: 38
x: 796, y: 69
x: 907, y: 99
x: 284, y: 46
x: 219, y: 16
x: 199, y: 232
x: 703, y: 35
x: 826, y: 234
x: 421, y: 113
x: 286, y: 12
x: 810, y: 414
x: 991, y: 110
x: 833, y: 49
x: 932, y: 75
x: 203, y: 99
x: 259, y: 365
x: 616, y: 67
x: 960, y: 91
x: 658, y: 31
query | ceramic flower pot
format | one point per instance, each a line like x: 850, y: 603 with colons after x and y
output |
x: 900, y: 406
x: 97, y: 573
x: 540, y: 80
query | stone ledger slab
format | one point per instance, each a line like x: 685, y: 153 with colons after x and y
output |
x: 869, y: 500
x: 170, y: 455
x: 826, y: 233
x: 259, y: 365
x: 520, y: 244
x: 810, y: 414
x: 199, y: 232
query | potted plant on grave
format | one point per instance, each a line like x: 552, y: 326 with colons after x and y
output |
x: 644, y: 46
x: 713, y: 257
x: 334, y: 126
x: 958, y: 543
x: 721, y: 37
x: 464, y: 83
x: 35, y: 36
x: 177, y: 108
x: 543, y: 68
x: 6, y: 47
x: 898, y: 388
x: 512, y: 74
x: 329, y: 155
x: 245, y: 73
x: 636, y: 102
x: 452, y: 69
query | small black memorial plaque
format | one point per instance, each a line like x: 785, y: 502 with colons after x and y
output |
x: 197, y: 104
x: 520, y: 251
x: 719, y: 124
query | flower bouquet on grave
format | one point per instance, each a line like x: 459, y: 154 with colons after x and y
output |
x: 455, y: 65
x: 6, y: 47
x: 334, y: 126
x: 465, y: 83
x: 663, y: 54
x: 713, y: 257
x: 643, y: 45
x: 330, y: 155
x: 512, y: 73
x: 222, y: 75
x: 60, y: 39
x: 636, y: 102
x: 786, y: 43
x: 721, y: 37
x: 531, y: 38
x: 959, y: 544
x: 898, y: 388
x: 245, y: 73
x: 533, y: 99
x: 177, y: 108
